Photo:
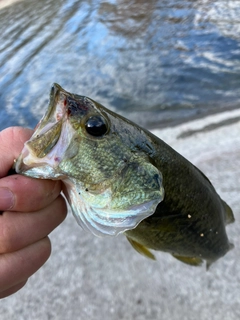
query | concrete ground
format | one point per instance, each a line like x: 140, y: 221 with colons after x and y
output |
x: 92, y: 278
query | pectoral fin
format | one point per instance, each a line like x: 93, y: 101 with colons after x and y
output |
x: 193, y: 261
x: 141, y: 249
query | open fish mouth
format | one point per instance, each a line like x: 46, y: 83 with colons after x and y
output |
x: 40, y: 149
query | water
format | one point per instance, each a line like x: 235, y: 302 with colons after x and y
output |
x: 157, y: 62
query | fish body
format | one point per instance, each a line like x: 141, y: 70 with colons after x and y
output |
x: 120, y: 178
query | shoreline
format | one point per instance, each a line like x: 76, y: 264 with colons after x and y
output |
x: 197, y: 115
x: 163, y: 119
x: 216, y: 133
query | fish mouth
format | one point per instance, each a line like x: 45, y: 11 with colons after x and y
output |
x: 48, y: 131
x: 43, y: 143
x: 48, y: 137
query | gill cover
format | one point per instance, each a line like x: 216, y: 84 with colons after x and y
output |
x: 120, y: 207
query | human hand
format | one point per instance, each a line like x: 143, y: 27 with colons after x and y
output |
x: 26, y: 219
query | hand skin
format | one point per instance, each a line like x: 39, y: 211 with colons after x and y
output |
x: 25, y: 223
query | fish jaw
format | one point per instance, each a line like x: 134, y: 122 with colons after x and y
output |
x: 46, y: 166
x: 41, y: 155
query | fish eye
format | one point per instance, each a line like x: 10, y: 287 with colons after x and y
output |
x: 96, y: 126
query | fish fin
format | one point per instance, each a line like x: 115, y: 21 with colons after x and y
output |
x: 229, y: 218
x: 210, y: 262
x: 193, y: 261
x: 141, y: 249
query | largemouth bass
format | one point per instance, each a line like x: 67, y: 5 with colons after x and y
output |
x: 120, y: 178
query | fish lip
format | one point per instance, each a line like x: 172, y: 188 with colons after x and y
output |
x: 19, y: 165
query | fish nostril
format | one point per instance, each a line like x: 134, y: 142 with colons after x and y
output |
x: 76, y: 107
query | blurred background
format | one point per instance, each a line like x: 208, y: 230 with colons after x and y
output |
x: 172, y: 66
x: 158, y: 62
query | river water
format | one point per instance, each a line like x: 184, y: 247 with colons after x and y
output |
x: 157, y: 62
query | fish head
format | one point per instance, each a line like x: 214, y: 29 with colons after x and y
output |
x: 103, y: 159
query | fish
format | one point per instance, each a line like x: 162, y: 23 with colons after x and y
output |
x: 119, y: 178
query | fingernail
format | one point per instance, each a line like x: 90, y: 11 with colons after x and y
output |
x: 6, y: 199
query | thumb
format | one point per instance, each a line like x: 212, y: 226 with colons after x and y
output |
x: 11, y: 144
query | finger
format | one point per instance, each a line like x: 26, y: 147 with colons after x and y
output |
x: 18, y: 266
x: 13, y: 289
x: 11, y: 143
x: 28, y: 194
x: 20, y: 229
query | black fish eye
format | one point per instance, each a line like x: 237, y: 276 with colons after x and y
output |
x: 96, y: 126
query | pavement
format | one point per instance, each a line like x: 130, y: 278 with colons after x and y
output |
x: 93, y: 278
